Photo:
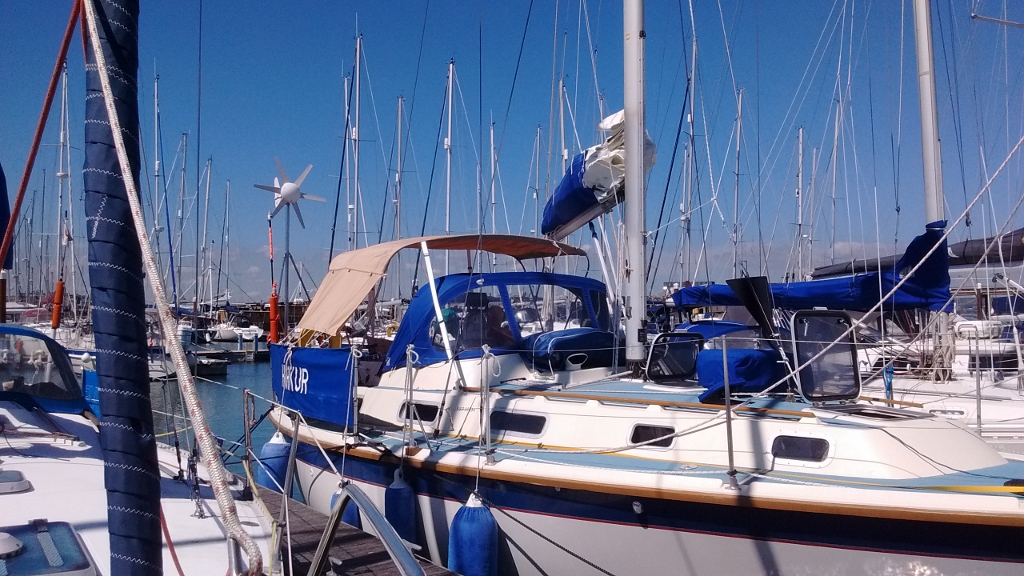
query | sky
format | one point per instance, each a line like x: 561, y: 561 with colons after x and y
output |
x: 265, y: 80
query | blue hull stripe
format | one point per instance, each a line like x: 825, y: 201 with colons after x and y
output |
x: 913, y: 537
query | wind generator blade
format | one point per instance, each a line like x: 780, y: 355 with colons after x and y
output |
x: 277, y: 208
x: 284, y: 177
x: 298, y: 215
x: 277, y: 183
x: 303, y: 175
x: 311, y: 197
x: 274, y: 189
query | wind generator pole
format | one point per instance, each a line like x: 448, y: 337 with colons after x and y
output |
x: 287, y: 262
x: 633, y: 96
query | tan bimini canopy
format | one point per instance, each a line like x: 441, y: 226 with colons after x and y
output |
x: 353, y: 274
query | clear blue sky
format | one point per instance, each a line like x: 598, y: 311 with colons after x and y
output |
x: 272, y: 86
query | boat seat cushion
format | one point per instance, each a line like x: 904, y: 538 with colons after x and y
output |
x: 594, y: 348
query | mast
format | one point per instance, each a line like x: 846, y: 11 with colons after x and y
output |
x: 348, y: 172
x: 800, y: 205
x: 356, y: 195
x: 934, y: 205
x: 62, y: 175
x: 633, y: 96
x: 494, y: 228
x: 736, y: 191
x: 207, y: 264
x: 398, y: 178
x: 692, y: 156
x: 224, y: 243
x: 933, y: 196
x: 536, y: 186
x: 448, y: 166
x: 181, y: 214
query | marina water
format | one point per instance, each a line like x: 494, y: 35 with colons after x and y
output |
x: 222, y: 400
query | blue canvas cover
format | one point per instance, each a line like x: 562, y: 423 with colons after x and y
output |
x: 414, y: 327
x: 571, y: 197
x: 549, y: 350
x: 750, y: 370
x: 713, y: 328
x: 68, y: 399
x: 928, y: 288
x: 314, y: 381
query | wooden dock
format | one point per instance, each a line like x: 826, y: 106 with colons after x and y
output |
x: 359, y: 553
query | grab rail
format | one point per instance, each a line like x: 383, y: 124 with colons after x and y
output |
x: 404, y: 560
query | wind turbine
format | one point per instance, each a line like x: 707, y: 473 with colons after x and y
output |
x: 287, y: 195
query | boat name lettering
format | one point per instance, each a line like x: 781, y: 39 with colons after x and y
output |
x: 295, y: 379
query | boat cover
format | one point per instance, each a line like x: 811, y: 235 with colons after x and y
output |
x: 314, y: 381
x: 353, y: 274
x: 593, y: 183
x: 420, y: 314
x: 750, y: 370
x: 927, y: 288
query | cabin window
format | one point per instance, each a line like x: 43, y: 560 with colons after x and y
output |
x: 825, y: 337
x: 673, y: 358
x: 425, y: 412
x: 528, y: 424
x: 472, y: 320
x: 800, y: 448
x: 543, y: 308
x: 644, y: 432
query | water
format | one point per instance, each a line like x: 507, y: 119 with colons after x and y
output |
x: 222, y: 401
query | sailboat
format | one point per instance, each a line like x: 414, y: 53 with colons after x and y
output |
x: 77, y: 500
x: 511, y: 393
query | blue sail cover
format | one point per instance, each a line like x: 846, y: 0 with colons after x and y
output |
x: 131, y: 476
x: 571, y: 197
x: 314, y: 381
x: 927, y: 288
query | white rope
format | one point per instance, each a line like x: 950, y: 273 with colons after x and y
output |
x: 214, y: 466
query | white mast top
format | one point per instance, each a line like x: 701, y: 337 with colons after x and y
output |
x: 933, y: 198
x: 633, y: 96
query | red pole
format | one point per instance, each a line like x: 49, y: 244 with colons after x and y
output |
x: 40, y: 126
x: 273, y: 315
x: 58, y: 305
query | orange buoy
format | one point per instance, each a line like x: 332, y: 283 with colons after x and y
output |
x: 58, y: 305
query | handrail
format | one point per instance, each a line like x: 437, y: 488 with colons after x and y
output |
x: 404, y: 560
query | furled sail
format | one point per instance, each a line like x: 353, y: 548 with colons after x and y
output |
x: 119, y: 302
x: 594, y: 182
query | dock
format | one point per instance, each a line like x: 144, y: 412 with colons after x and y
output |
x: 354, y: 552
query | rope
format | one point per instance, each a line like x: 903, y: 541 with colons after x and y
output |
x: 218, y: 475
x: 170, y: 543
